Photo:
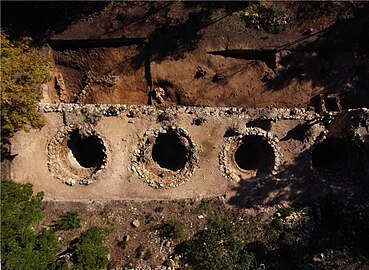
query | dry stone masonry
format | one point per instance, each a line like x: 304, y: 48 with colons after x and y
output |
x: 109, y: 152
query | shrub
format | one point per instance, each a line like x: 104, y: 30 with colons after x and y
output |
x: 23, y: 70
x: 272, y: 19
x: 217, y: 247
x: 88, y: 251
x: 276, y: 232
x: 174, y: 229
x: 149, y: 217
x: 21, y: 247
x: 69, y: 221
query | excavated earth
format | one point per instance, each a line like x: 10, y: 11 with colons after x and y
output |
x: 152, y: 102
x: 167, y: 62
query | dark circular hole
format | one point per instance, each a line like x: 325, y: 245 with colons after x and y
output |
x: 337, y: 154
x: 254, y: 153
x: 88, y: 151
x: 169, y: 151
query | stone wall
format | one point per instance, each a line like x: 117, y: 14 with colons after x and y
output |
x: 102, y: 151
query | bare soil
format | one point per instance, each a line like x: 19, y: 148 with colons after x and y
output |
x: 184, y: 37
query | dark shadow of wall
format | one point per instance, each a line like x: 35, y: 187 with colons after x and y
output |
x: 337, y: 60
x: 41, y: 19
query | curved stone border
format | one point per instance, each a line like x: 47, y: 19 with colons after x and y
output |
x: 146, y: 168
x: 59, y: 164
x: 226, y: 163
x: 317, y: 141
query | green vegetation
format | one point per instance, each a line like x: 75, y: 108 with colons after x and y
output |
x: 271, y: 19
x: 174, y: 229
x: 149, y: 217
x: 88, y: 251
x: 23, y: 70
x: 21, y: 247
x: 218, y: 247
x: 276, y: 231
x: 182, y: 204
x: 206, y: 202
x: 69, y: 221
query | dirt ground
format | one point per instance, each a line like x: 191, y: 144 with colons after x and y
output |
x: 182, y: 38
x: 117, y: 216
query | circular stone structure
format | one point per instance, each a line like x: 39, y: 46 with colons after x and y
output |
x: 336, y: 155
x: 166, y: 157
x: 252, y: 153
x: 76, y: 156
x: 169, y: 152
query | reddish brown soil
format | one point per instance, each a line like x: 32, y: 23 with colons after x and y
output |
x: 180, y: 37
x: 102, y: 75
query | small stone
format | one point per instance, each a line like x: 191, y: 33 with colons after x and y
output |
x: 159, y: 94
x: 268, y: 77
x: 126, y: 238
x: 171, y: 263
x: 70, y: 182
x: 200, y: 72
x: 218, y: 77
x: 136, y: 223
x: 308, y: 32
x: 200, y: 217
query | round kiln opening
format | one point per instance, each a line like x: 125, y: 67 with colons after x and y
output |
x: 254, y: 153
x: 169, y: 151
x: 88, y: 151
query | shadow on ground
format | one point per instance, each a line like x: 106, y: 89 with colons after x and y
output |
x: 41, y: 20
x: 299, y: 183
x: 336, y: 60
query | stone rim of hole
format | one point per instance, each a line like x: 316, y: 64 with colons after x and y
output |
x: 64, y: 166
x: 143, y: 164
x: 227, y: 163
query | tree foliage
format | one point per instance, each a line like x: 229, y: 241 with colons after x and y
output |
x: 174, y: 229
x: 69, y: 221
x: 88, y: 251
x: 21, y: 247
x: 23, y: 70
x: 217, y: 247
